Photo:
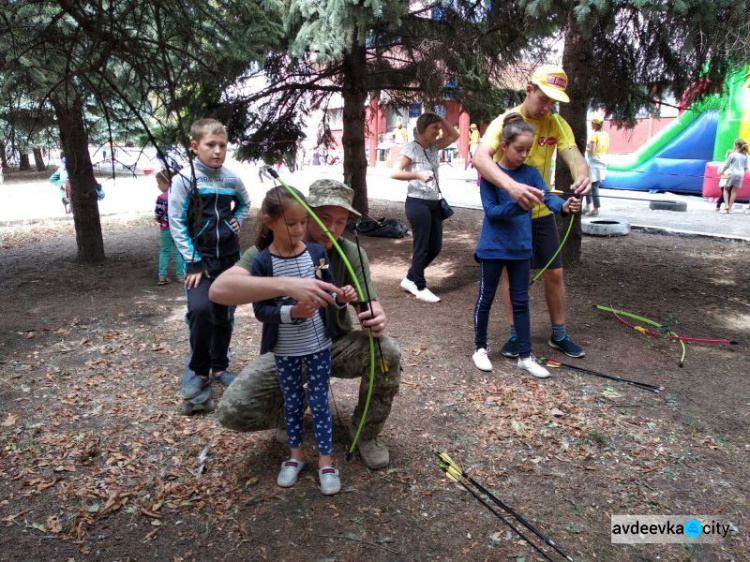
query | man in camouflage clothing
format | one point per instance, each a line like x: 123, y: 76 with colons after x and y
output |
x: 253, y: 402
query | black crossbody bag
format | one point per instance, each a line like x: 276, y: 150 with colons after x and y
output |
x: 446, y: 211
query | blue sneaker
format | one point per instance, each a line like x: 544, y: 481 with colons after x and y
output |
x: 510, y: 349
x: 567, y: 346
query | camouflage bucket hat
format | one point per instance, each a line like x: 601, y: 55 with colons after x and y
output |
x: 333, y: 193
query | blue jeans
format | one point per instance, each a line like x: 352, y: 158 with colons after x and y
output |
x: 289, y: 371
x: 518, y: 277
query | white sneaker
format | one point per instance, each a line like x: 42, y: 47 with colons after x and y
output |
x: 290, y: 470
x: 532, y: 367
x: 330, y: 481
x: 427, y: 296
x: 409, y: 286
x: 481, y: 361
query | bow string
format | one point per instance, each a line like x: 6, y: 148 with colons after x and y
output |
x: 573, y: 218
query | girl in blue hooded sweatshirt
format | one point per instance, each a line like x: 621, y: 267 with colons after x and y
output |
x: 506, y: 242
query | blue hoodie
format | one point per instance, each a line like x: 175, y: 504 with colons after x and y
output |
x: 506, y: 230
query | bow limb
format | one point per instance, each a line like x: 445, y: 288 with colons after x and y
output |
x: 360, y: 296
x: 669, y: 334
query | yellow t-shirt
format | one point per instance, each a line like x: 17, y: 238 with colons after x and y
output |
x: 474, y: 138
x: 600, y: 140
x: 547, y: 138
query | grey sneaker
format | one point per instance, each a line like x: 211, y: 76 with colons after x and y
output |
x: 290, y: 470
x: 330, y: 481
x: 194, y: 386
x: 224, y: 378
x: 374, y: 455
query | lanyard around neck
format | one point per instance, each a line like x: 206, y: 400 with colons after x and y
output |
x: 432, y: 166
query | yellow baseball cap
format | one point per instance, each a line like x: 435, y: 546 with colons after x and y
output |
x: 551, y: 80
x: 597, y: 120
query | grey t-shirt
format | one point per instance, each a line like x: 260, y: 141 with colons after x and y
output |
x: 736, y: 164
x: 422, y: 159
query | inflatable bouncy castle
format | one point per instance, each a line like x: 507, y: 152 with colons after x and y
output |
x: 685, y: 156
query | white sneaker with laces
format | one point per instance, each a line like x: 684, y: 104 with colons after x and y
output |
x: 530, y: 365
x: 409, y: 286
x: 427, y: 296
x: 481, y: 361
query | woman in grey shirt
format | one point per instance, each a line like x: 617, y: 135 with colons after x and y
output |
x: 419, y: 166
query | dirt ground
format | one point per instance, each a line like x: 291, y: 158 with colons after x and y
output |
x: 97, y: 464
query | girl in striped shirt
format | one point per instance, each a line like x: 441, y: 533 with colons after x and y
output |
x: 297, y: 333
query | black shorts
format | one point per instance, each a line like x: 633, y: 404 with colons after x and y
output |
x: 544, y: 243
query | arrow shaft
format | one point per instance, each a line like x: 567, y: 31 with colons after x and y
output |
x: 456, y: 473
x: 504, y: 520
x: 643, y: 385
x: 515, y: 514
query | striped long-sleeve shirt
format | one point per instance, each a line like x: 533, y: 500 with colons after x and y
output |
x: 281, y: 334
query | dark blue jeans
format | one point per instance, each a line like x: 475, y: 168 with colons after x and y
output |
x: 489, y: 278
x: 210, y: 324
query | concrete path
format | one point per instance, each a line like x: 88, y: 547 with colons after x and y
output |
x: 29, y: 201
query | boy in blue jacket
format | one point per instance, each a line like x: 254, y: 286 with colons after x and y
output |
x: 207, y: 204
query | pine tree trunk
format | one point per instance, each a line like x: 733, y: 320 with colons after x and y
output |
x: 577, y: 62
x: 3, y: 157
x: 24, y: 164
x: 39, y: 160
x: 75, y: 145
x: 353, y: 140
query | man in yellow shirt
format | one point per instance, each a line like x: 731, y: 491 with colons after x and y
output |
x: 596, y: 148
x: 552, y: 133
x: 474, y: 138
x: 400, y: 133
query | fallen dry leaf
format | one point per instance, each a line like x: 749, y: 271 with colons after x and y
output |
x: 53, y: 524
x: 10, y: 519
